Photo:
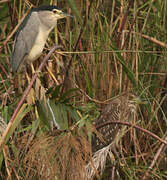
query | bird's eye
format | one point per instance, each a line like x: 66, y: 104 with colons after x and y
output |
x: 56, y: 11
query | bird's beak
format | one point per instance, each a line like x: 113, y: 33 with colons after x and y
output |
x: 66, y: 15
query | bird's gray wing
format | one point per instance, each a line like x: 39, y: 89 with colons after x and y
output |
x: 19, y: 52
x: 24, y: 40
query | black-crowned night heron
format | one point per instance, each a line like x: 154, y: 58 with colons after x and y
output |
x: 32, y: 34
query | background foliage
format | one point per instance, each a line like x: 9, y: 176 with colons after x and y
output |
x: 110, y: 48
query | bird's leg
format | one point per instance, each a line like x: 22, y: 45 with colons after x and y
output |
x: 32, y: 68
x: 34, y: 71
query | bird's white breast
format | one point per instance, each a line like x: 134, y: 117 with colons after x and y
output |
x: 39, y: 44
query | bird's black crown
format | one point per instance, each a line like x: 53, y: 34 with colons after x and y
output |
x: 45, y: 8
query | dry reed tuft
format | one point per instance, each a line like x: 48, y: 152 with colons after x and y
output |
x: 62, y: 157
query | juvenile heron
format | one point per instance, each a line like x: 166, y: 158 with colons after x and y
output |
x: 123, y: 109
x: 32, y: 34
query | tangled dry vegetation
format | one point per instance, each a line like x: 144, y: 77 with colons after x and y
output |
x: 97, y: 109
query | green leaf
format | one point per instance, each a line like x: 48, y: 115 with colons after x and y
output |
x: 59, y: 114
x: 65, y: 97
x: 126, y: 69
x: 44, y: 114
x: 3, y: 12
x: 1, y: 159
x: 22, y: 112
x: 73, y: 113
x: 54, y: 91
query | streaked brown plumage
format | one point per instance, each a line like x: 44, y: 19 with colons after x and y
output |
x: 118, y: 109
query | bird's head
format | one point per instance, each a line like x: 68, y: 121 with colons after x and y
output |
x: 50, y: 14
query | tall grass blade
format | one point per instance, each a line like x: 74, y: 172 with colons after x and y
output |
x: 75, y: 11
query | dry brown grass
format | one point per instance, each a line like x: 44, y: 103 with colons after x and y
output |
x: 48, y: 156
x: 122, y: 48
